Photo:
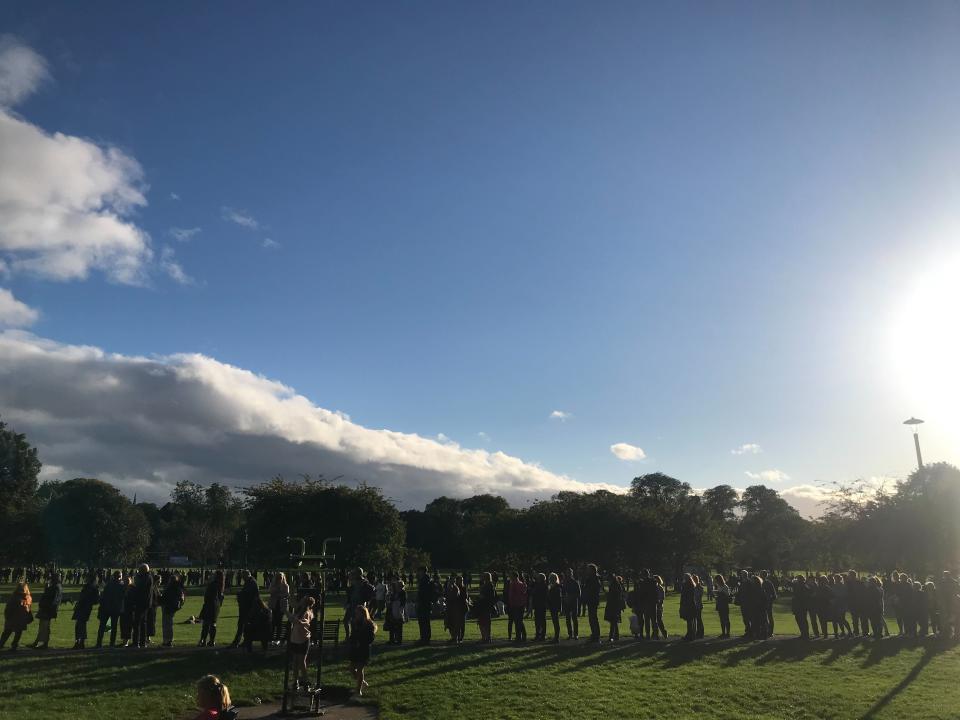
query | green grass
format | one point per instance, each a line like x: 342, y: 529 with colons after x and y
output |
x: 721, y: 679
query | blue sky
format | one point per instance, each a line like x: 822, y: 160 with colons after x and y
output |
x: 689, y: 226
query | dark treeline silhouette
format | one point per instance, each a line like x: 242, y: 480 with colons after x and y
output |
x: 660, y: 523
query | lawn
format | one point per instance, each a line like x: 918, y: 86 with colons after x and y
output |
x: 785, y: 678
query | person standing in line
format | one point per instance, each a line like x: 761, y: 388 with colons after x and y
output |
x: 82, y: 609
x: 49, y: 607
x: 698, y: 605
x: 486, y: 599
x: 615, y: 604
x: 212, y: 602
x: 539, y: 602
x: 279, y: 604
x: 688, y: 606
x: 505, y: 600
x: 555, y: 603
x: 769, y: 597
x: 742, y: 600
x: 874, y: 607
x: 380, y: 597
x: 592, y: 587
x: 16, y: 615
x: 660, y: 594
x: 141, y: 597
x: 156, y: 592
x: 517, y: 605
x: 647, y: 596
x: 453, y: 610
x: 396, y: 604
x: 798, y: 605
x: 171, y: 601
x: 111, y: 608
x: 721, y: 594
x: 247, y: 600
x: 360, y: 642
x: 301, y: 621
x: 425, y: 599
x: 571, y: 604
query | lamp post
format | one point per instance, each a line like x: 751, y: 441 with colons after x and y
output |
x: 914, y: 424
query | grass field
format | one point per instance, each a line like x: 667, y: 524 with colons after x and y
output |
x: 785, y: 678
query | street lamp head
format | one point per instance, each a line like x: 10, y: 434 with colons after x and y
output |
x: 913, y: 422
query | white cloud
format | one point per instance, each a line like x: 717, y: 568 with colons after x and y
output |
x: 14, y: 313
x: 65, y: 202
x: 560, y: 415
x: 809, y: 500
x: 239, y: 217
x: 483, y: 436
x: 157, y: 420
x: 270, y: 244
x: 172, y: 268
x: 768, y: 476
x: 625, y: 451
x: 184, y: 234
x: 174, y: 196
x: 747, y: 449
x: 21, y: 71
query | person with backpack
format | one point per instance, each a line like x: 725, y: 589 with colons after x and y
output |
x: 49, y: 606
x: 171, y: 600
x: 16, y: 615
x: 89, y: 596
x: 396, y: 610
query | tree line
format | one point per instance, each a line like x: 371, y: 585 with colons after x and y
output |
x: 659, y: 523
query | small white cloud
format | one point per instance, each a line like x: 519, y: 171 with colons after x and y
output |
x: 21, y: 71
x: 625, y: 451
x: 184, y: 234
x: 483, y: 436
x: 270, y: 244
x: 442, y: 438
x: 172, y: 268
x: 239, y: 217
x: 560, y: 415
x: 747, y: 449
x: 174, y: 196
x: 14, y: 313
x: 768, y: 476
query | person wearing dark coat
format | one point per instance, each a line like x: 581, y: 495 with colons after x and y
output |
x: 156, y: 594
x: 555, y: 604
x: 688, y: 606
x: 170, y: 602
x: 798, y: 605
x: 769, y: 596
x: 483, y: 609
x: 873, y: 606
x: 142, y: 599
x: 247, y: 598
x: 592, y: 587
x: 212, y: 601
x: 855, y: 600
x: 111, y: 608
x: 823, y: 603
x: 647, y: 604
x: 538, y: 597
x: 616, y: 602
x: 259, y: 625
x: 721, y: 596
x: 571, y: 604
x: 425, y: 598
x: 49, y: 606
x: 16, y: 615
x: 698, y: 605
x: 89, y: 596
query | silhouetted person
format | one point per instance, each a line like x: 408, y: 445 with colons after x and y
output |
x: 571, y: 604
x: 721, y: 595
x: 425, y: 598
x: 141, y: 597
x: 538, y: 597
x: 212, y: 602
x: 82, y: 609
x: 591, y: 598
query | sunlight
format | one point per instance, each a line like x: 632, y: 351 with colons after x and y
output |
x: 925, y: 345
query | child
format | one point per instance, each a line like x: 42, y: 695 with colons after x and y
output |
x: 300, y: 622
x: 361, y: 638
x: 213, y: 699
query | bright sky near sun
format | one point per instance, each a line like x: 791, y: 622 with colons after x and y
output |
x: 544, y: 245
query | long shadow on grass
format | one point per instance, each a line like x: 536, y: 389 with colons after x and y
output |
x: 929, y: 653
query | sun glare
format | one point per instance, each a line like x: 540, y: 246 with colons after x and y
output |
x: 925, y: 345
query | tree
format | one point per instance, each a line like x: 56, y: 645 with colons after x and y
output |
x: 771, y: 530
x: 204, y: 520
x: 659, y: 488
x: 88, y: 521
x: 19, y: 511
x: 313, y: 509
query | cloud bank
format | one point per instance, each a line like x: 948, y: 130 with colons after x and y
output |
x: 767, y: 476
x: 145, y: 423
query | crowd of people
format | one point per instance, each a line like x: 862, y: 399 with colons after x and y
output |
x: 271, y: 608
